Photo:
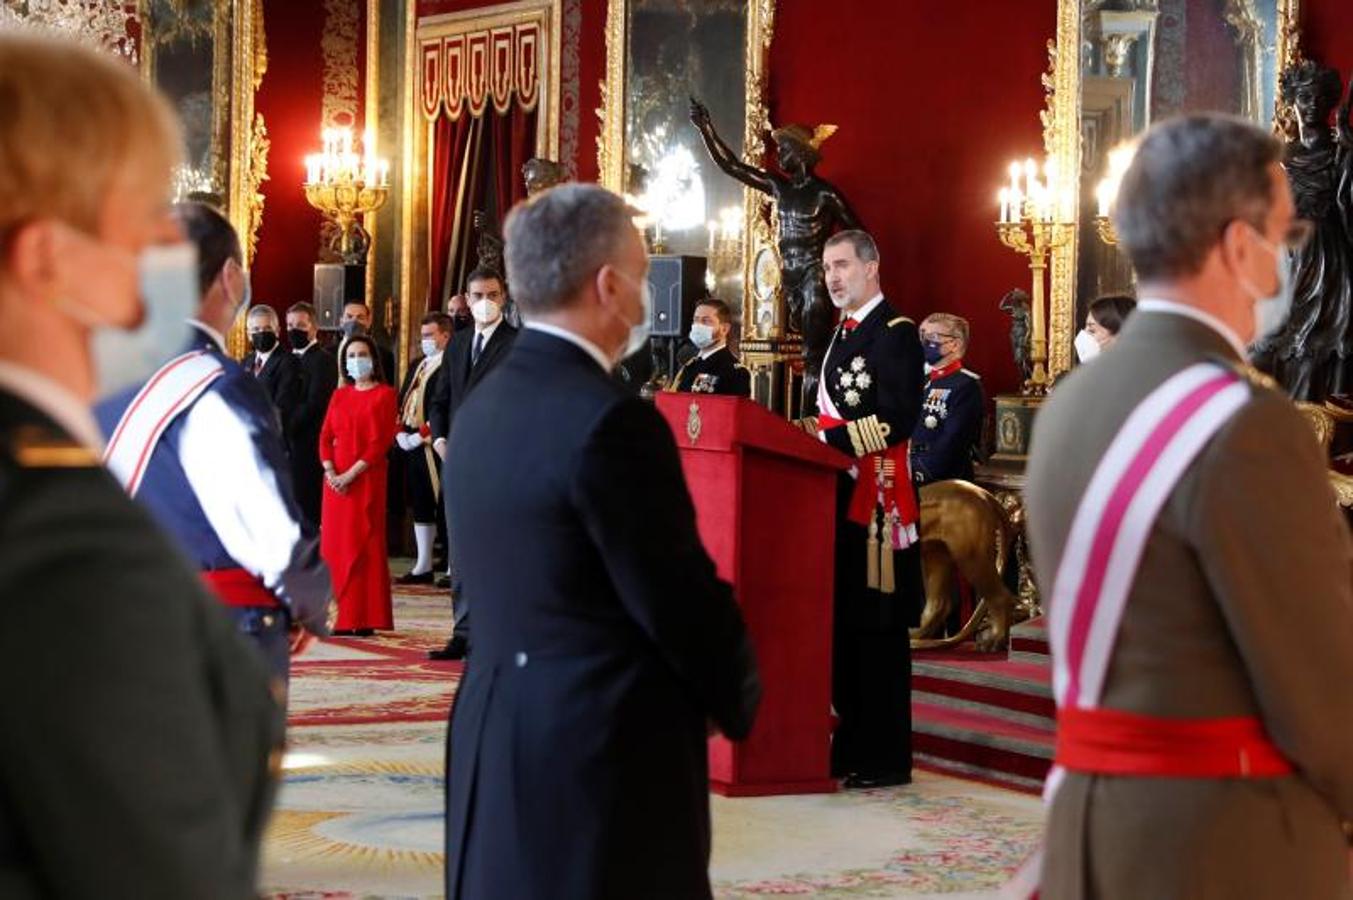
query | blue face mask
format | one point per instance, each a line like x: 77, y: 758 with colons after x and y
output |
x: 169, y: 296
x: 701, y: 335
x: 359, y: 367
x: 933, y: 351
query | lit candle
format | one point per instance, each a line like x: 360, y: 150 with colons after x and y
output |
x: 713, y: 227
x: 1030, y: 178
x: 1005, y: 204
x: 312, y: 169
x: 1104, y: 194
x: 385, y: 172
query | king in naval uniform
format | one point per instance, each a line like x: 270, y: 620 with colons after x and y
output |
x: 869, y: 400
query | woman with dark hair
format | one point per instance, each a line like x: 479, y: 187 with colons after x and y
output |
x: 1102, y: 323
x: 357, y: 432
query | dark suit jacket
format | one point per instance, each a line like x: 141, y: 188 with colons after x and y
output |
x: 134, y: 762
x: 319, y: 378
x: 577, y: 743
x: 281, y: 377
x: 457, y: 378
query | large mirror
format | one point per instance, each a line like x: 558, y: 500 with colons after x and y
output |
x: 208, y: 57
x: 1120, y: 65
x: 660, y: 54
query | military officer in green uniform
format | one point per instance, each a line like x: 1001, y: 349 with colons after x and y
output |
x: 139, y: 737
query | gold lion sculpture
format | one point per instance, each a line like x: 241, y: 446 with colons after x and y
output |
x: 964, y: 528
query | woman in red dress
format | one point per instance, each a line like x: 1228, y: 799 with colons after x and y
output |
x: 357, y: 432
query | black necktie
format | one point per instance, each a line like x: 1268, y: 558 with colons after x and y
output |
x: 477, y: 349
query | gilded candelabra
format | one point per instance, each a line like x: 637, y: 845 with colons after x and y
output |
x: 1032, y: 223
x: 1106, y: 192
x: 345, y: 186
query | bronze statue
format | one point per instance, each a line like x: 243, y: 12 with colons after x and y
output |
x: 1310, y: 354
x: 539, y: 174
x: 810, y: 210
x: 964, y: 527
x: 1016, y: 304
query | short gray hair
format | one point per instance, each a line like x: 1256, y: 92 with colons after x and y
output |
x: 264, y: 311
x: 1192, y: 176
x: 861, y: 241
x: 557, y: 241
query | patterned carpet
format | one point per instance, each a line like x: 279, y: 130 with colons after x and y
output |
x: 360, y: 813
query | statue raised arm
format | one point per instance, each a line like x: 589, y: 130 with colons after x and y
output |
x: 810, y: 210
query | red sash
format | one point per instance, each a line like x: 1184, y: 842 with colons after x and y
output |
x: 1113, y: 742
x: 878, y: 485
x: 239, y: 588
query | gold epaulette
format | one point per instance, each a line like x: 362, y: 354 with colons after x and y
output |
x: 38, y: 448
x: 868, y: 435
x: 1259, y: 379
x: 899, y: 320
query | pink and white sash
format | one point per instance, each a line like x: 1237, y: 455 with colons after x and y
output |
x: 165, y: 396
x: 1108, y: 535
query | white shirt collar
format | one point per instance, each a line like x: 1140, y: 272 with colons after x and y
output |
x: 210, y: 332
x: 264, y: 357
x: 712, y: 349
x: 863, y: 312
x: 487, y: 330
x: 576, y: 340
x: 1152, y: 304
x: 54, y: 400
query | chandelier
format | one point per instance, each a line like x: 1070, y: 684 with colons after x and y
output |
x: 106, y: 24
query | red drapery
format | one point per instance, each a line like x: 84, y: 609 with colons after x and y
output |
x: 476, y: 165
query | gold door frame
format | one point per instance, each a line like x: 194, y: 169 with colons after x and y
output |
x: 1061, y: 139
x: 758, y: 231
x: 414, y: 277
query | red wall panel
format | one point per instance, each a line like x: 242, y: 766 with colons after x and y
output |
x: 290, y: 99
x: 932, y: 103
x: 1327, y: 33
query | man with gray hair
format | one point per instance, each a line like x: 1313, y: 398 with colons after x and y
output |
x: 1193, y: 565
x: 279, y: 372
x: 604, y: 655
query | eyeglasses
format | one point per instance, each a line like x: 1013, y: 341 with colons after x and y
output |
x: 938, y: 336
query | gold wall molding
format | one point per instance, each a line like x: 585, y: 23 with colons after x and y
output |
x: 547, y: 15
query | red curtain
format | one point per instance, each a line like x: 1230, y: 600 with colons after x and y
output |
x: 476, y: 166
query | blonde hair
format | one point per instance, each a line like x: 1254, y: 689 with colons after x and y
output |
x: 72, y: 120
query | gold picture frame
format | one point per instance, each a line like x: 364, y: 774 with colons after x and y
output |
x: 758, y: 230
x: 1062, y: 143
x: 239, y: 161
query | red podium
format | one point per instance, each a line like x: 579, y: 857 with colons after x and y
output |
x: 764, y: 497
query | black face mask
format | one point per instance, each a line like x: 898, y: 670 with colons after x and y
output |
x: 353, y: 328
x: 263, y: 341
x: 462, y: 320
x: 299, y: 339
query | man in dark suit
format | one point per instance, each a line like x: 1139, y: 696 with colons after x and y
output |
x: 869, y: 399
x: 605, y: 654
x: 471, y: 355
x: 319, y: 378
x: 714, y: 369
x: 946, y: 441
x: 271, y: 364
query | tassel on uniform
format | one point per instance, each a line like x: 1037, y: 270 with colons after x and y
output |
x: 871, y: 555
x: 886, y: 582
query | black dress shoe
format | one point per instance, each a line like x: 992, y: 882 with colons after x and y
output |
x: 456, y: 648
x: 861, y: 782
x: 364, y: 632
x: 421, y: 578
x: 443, y: 581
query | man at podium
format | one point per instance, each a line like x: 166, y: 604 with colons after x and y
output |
x: 714, y: 370
x: 869, y: 400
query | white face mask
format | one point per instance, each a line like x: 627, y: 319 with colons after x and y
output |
x: 1087, y: 348
x: 485, y: 311
x: 638, y: 337
x: 702, y: 336
x: 123, y: 358
x: 1270, y: 313
x: 430, y: 348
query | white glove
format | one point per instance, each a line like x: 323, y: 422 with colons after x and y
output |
x: 409, y: 440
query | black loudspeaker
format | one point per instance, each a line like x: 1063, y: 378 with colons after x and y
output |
x: 677, y: 284
x: 335, y: 285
